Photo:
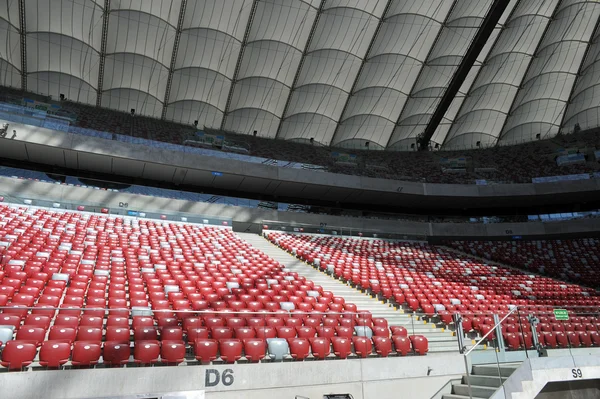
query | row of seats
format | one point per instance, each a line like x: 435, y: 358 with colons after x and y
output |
x: 18, y: 354
x: 437, y: 282
x: 78, y: 277
x: 570, y: 259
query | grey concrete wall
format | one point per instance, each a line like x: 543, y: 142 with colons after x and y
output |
x: 251, y: 219
x: 381, y: 378
x: 535, y: 373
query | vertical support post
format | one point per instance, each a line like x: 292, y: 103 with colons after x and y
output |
x: 23, y: 37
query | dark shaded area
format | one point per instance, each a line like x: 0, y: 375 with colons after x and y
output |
x: 585, y: 389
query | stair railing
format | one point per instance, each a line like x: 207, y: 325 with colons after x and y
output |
x: 496, y: 329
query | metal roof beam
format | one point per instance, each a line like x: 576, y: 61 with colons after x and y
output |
x: 424, y: 64
x: 23, y: 43
x: 238, y: 65
x: 479, y: 41
x: 173, y: 58
x: 362, y: 66
x: 304, y: 55
x: 105, y: 14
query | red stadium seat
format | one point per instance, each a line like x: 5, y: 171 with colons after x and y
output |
x: 419, y: 344
x: 230, y: 349
x: 171, y: 334
x: 299, y: 348
x: 220, y: 333
x: 342, y: 346
x: 255, y: 349
x: 116, y: 353
x: 344, y: 332
x: 286, y: 332
x: 118, y: 334
x: 53, y: 354
x: 321, y: 347
x: 90, y: 334
x: 172, y: 352
x: 265, y: 332
x: 195, y: 333
x: 399, y: 330
x: 306, y: 332
x: 17, y: 354
x: 383, y: 345
x: 85, y: 353
x: 363, y: 346
x: 146, y: 352
x: 401, y: 344
x: 145, y: 334
x: 63, y: 334
x: 205, y: 350
x: 32, y: 334
x: 244, y: 332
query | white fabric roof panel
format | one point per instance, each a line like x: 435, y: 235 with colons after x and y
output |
x: 391, y: 69
x: 341, y: 39
x: 10, y: 47
x: 139, y: 47
x: 584, y: 106
x: 453, y: 41
x: 210, y: 44
x: 541, y: 102
x: 63, y: 47
x: 279, y: 33
x: 339, y: 71
x: 452, y: 128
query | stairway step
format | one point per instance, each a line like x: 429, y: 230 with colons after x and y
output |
x: 506, y: 370
x: 455, y: 396
x: 485, y: 380
x: 476, y: 390
x: 439, y: 341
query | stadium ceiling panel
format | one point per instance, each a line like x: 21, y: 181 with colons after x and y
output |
x: 488, y: 102
x: 10, y: 47
x: 541, y: 102
x: 274, y: 47
x: 441, y: 133
x: 330, y: 66
x: 390, y: 70
x: 63, y: 47
x: 584, y: 106
x: 211, y: 41
x: 454, y: 39
x: 139, y: 46
x: 344, y: 72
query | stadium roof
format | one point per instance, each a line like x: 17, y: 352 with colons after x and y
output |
x: 340, y: 71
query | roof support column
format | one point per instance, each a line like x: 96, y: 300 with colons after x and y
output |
x: 479, y: 41
x: 239, y: 62
x: 105, y: 14
x: 304, y: 54
x: 23, y: 37
x: 362, y: 66
x: 173, y: 58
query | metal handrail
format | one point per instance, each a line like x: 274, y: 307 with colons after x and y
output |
x: 491, y: 331
x: 465, y: 356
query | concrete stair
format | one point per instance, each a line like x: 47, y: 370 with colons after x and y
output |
x: 440, y: 340
x: 485, y: 380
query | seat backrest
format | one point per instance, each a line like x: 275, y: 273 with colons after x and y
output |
x: 363, y: 331
x: 278, y: 348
